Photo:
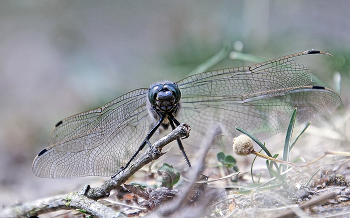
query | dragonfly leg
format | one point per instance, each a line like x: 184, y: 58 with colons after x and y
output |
x: 177, y: 123
x: 146, y: 141
x: 172, y: 120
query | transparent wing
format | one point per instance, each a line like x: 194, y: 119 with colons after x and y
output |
x: 258, y: 98
x: 280, y: 73
x: 261, y: 115
x: 96, y: 142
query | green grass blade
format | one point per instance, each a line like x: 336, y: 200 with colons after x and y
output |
x: 251, y: 168
x: 269, y: 166
x: 274, y: 163
x: 306, y: 184
x: 289, y: 136
x: 319, y: 82
x: 223, y: 53
x: 337, y: 82
x: 292, y: 145
x: 278, y: 176
x: 246, y: 57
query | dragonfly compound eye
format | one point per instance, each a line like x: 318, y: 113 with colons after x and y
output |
x: 153, y: 92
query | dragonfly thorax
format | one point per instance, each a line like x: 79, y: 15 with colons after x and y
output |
x: 164, y: 96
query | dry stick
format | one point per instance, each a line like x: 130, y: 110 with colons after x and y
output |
x: 340, y: 153
x: 61, y: 202
x: 86, y: 198
x: 243, y: 145
x: 326, y: 153
x: 176, y: 207
x: 313, y: 202
x: 284, y: 162
x: 149, y: 156
x: 218, y: 179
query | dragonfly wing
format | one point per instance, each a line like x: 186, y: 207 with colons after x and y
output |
x: 280, y: 73
x: 261, y: 115
x: 258, y: 98
x: 96, y: 142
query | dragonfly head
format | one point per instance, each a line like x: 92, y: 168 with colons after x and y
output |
x: 164, y: 96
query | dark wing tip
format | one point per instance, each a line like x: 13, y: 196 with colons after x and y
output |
x: 313, y: 51
x: 59, y: 123
x: 318, y: 87
x: 42, y: 152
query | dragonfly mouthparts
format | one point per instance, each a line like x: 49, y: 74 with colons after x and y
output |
x: 165, y: 100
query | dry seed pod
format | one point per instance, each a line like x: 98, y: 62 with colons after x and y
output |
x: 243, y: 145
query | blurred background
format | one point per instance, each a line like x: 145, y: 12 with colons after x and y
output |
x: 59, y: 58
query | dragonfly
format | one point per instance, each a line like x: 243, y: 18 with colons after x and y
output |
x: 258, y: 98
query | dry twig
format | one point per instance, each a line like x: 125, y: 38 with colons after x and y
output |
x: 179, y: 207
x: 85, y: 199
x: 313, y: 202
